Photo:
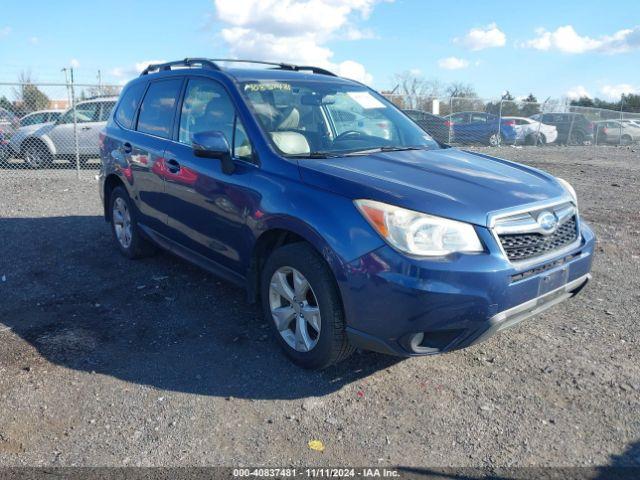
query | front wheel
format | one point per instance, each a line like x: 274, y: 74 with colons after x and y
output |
x: 626, y: 140
x: 301, y: 300
x: 36, y: 155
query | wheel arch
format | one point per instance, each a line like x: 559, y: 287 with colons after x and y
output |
x: 45, y: 142
x: 282, y: 231
x: 110, y: 183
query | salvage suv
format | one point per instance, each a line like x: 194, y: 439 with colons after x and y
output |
x: 350, y: 237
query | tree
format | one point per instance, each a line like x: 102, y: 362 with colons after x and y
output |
x: 415, y: 90
x: 530, y: 106
x: 6, y: 104
x: 461, y: 90
x: 28, y: 95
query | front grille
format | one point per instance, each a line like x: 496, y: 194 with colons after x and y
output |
x: 524, y: 246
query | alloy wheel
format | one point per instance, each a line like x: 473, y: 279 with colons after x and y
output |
x: 122, y: 222
x: 294, y: 309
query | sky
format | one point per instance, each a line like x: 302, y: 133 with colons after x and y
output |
x: 548, y: 48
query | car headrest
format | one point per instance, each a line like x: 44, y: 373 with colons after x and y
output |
x: 292, y: 143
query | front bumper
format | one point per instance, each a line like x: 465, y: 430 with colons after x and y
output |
x: 408, y: 307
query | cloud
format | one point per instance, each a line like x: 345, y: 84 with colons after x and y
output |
x: 34, y: 40
x: 74, y: 63
x: 295, y: 31
x: 5, y: 32
x: 480, y: 38
x: 123, y: 74
x: 574, y: 93
x: 614, y: 92
x: 453, y: 63
x: 565, y: 39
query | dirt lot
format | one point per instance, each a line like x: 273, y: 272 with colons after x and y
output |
x: 104, y: 361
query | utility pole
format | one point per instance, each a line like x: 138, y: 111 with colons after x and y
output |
x: 75, y: 124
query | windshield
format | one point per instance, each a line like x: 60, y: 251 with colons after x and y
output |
x: 324, y: 119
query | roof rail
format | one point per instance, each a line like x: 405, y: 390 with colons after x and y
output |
x: 212, y: 64
x: 280, y: 66
x: 187, y: 62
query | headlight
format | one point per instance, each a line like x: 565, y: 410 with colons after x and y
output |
x: 418, y: 233
x: 570, y: 190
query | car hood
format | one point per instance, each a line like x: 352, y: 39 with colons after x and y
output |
x: 447, y: 182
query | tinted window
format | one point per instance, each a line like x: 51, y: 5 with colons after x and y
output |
x: 478, y: 117
x: 158, y: 106
x: 85, y: 113
x: 33, y: 119
x: 206, y: 108
x: 128, y: 104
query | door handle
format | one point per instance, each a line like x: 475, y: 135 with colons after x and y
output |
x: 173, y: 165
x: 86, y: 128
x: 127, y: 148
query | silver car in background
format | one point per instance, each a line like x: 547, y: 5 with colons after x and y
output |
x: 39, y: 145
x: 40, y: 116
x: 616, y: 132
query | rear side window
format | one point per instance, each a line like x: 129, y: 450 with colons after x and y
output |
x: 129, y: 104
x: 158, y: 107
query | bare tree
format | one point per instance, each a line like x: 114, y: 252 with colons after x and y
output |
x: 415, y: 89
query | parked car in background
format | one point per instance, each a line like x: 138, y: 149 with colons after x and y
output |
x: 616, y: 132
x: 41, y: 116
x: 348, y: 239
x: 40, y: 144
x: 9, y: 122
x: 632, y: 122
x: 532, y: 132
x: 373, y: 126
x: 573, y: 128
x: 480, y: 127
x: 434, y: 125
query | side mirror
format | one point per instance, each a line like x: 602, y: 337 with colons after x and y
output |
x: 213, y: 145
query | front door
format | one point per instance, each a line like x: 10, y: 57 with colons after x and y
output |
x: 208, y: 208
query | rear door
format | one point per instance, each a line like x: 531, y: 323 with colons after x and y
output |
x: 63, y: 134
x: 143, y: 148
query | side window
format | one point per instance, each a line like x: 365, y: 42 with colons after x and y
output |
x: 128, y: 104
x: 206, y: 108
x: 478, y: 117
x: 158, y: 107
x: 85, y: 113
x: 459, y: 118
x: 106, y: 109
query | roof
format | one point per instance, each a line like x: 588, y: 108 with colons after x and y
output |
x: 274, y: 70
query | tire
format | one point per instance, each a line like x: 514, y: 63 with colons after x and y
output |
x: 495, y: 140
x: 577, y: 138
x: 536, y: 139
x: 626, y: 140
x: 128, y: 237
x: 324, y: 348
x: 36, y: 154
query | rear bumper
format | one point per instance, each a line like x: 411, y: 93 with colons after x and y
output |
x: 410, y: 307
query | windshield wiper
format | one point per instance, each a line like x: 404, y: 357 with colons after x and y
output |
x: 313, y: 155
x: 383, y: 149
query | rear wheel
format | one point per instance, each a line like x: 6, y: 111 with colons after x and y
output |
x: 495, y: 140
x: 625, y: 140
x: 577, y: 138
x: 124, y: 226
x: 301, y: 300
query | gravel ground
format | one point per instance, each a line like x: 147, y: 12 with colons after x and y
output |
x: 109, y: 362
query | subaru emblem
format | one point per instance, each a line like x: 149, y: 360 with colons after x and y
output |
x: 547, y: 222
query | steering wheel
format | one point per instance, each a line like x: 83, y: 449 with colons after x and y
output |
x: 350, y: 133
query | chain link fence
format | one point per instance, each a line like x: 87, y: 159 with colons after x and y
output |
x: 53, y: 126
x: 469, y: 121
x: 56, y: 126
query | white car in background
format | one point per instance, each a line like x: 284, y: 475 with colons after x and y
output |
x: 527, y: 130
x: 42, y: 143
x: 41, y: 116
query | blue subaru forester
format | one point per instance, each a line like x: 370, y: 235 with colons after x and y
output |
x: 351, y: 225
